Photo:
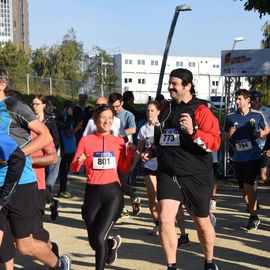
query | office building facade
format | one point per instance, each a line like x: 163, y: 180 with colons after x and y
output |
x: 14, y: 22
x: 140, y: 73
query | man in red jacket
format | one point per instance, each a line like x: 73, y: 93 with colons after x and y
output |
x: 187, y: 135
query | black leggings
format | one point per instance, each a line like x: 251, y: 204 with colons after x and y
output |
x: 101, y: 208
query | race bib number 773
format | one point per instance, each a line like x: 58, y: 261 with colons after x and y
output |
x: 169, y: 137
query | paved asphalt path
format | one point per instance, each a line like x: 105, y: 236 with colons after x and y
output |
x: 236, y: 248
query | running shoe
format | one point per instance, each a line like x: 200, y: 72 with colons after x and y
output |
x: 54, y: 209
x: 136, y: 206
x: 213, y: 219
x: 253, y: 223
x: 183, y: 240
x: 210, y: 266
x: 64, y: 263
x: 112, y: 254
x: 154, y: 231
x: 124, y: 213
x: 65, y: 195
x: 213, y: 204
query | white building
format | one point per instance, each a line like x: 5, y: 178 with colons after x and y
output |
x: 6, y: 22
x: 140, y: 73
x: 14, y: 25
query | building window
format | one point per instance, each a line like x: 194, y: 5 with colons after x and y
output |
x: 128, y: 80
x: 141, y: 81
x: 154, y: 62
x: 179, y: 63
x: 215, y: 66
x: 141, y: 62
x: 191, y: 64
x: 214, y: 83
x: 128, y: 62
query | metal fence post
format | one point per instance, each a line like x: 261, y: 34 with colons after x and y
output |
x: 27, y: 84
x: 50, y: 86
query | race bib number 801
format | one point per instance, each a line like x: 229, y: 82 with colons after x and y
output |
x: 104, y: 161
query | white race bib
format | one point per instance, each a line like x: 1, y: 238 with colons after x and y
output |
x: 169, y: 137
x: 243, y: 145
x: 104, y: 161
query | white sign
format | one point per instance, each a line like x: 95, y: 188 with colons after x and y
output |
x: 245, y: 63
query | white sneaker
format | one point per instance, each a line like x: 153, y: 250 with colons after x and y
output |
x: 213, y: 219
x: 213, y: 205
x: 112, y: 254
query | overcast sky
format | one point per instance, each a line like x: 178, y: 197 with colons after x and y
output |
x: 142, y: 26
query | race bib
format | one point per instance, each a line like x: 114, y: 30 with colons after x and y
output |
x: 243, y: 146
x: 104, y: 161
x: 169, y: 137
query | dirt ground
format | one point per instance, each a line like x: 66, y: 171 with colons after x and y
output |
x: 236, y: 248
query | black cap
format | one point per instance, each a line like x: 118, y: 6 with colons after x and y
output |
x: 184, y: 74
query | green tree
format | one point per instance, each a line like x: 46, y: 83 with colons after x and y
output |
x: 68, y: 58
x: 101, y: 68
x: 40, y: 62
x: 261, y: 6
x: 265, y: 43
x: 14, y: 58
x: 16, y: 61
x: 262, y: 83
x: 61, y: 62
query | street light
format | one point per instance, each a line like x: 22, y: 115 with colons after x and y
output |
x: 229, y: 100
x: 235, y: 40
x: 168, y: 44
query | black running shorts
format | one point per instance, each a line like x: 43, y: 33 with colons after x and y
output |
x: 246, y: 172
x: 21, y: 210
x: 193, y: 191
x: 38, y: 230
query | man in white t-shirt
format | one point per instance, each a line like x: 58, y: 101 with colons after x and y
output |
x: 117, y: 128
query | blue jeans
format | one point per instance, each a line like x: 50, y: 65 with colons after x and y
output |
x: 51, y: 175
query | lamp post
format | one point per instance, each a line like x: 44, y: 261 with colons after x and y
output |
x: 228, y: 81
x: 168, y: 44
x: 235, y: 40
x: 229, y: 100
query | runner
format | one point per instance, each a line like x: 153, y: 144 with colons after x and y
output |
x: 18, y: 119
x: 187, y: 135
x: 102, y: 154
x: 12, y: 157
x: 243, y: 128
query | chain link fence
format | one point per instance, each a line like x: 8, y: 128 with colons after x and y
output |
x: 28, y: 84
x: 67, y: 89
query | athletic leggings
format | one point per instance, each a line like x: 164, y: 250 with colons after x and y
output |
x: 101, y: 208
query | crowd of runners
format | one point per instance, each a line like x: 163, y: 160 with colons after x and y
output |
x: 172, y: 143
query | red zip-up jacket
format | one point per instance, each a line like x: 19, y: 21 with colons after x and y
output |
x: 94, y: 143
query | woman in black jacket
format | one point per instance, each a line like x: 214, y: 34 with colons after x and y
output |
x: 41, y: 107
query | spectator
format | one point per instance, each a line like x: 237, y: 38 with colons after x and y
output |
x: 68, y: 144
x: 79, y: 112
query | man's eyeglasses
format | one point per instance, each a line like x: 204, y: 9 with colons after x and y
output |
x: 116, y: 106
x: 100, y: 104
